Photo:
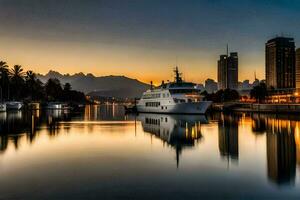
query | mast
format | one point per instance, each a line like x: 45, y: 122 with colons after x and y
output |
x: 178, y: 78
x: 227, y: 49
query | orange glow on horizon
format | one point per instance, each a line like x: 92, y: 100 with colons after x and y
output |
x: 138, y: 63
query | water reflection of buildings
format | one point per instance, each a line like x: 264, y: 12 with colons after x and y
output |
x: 228, y: 137
x: 281, y: 138
x: 281, y: 151
x: 178, y: 131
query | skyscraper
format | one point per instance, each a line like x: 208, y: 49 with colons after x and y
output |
x: 222, y: 72
x: 228, y: 71
x: 298, y: 68
x: 280, y: 63
x: 232, y: 71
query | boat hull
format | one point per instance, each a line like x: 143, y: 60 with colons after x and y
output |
x: 180, y: 108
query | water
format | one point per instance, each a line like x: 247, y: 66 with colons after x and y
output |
x: 100, y: 153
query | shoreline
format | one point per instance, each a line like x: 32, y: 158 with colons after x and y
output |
x: 292, y: 108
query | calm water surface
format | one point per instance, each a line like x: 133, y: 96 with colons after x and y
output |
x: 100, y: 153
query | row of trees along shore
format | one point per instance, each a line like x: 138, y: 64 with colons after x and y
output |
x: 222, y: 96
x: 16, y: 84
x: 259, y: 93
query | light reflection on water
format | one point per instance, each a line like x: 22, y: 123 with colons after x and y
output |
x: 102, y: 153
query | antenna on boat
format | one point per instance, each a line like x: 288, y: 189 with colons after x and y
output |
x: 151, y: 85
x: 227, y: 49
x: 178, y: 78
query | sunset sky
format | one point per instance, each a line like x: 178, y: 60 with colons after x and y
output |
x: 142, y: 38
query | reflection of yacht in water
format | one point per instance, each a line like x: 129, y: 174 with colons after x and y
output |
x: 174, y: 97
x: 178, y: 131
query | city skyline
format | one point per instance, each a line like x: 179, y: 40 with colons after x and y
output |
x: 142, y: 39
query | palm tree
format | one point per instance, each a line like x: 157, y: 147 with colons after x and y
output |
x: 33, y: 86
x: 30, y: 76
x: 17, y: 72
x: 4, y: 83
x: 3, y: 67
x: 17, y: 80
x: 30, y: 79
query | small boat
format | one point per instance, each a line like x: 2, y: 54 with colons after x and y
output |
x: 2, y: 107
x: 14, y: 105
x: 54, y: 106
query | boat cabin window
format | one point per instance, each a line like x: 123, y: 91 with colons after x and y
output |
x: 152, y: 104
x: 179, y: 100
x: 151, y: 96
x: 183, y: 91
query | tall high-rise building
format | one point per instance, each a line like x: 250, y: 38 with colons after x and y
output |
x: 228, y: 71
x: 232, y: 73
x: 280, y: 63
x: 298, y: 68
x: 222, y: 72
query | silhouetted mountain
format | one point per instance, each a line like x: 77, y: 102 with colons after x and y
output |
x: 104, y: 86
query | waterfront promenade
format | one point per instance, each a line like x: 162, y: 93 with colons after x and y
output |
x: 257, y: 107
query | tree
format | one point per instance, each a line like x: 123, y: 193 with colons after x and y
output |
x: 67, y: 87
x: 259, y: 92
x: 34, y: 87
x: 3, y: 67
x: 230, y: 95
x: 4, y: 81
x: 53, y: 89
x: 222, y: 96
x: 17, y: 72
x: 17, y: 81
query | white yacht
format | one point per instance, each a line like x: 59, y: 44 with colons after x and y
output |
x: 14, y: 105
x: 173, y: 97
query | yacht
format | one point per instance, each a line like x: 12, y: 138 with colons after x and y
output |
x: 14, y: 105
x: 173, y: 97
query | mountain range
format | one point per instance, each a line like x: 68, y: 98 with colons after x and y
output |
x: 101, y: 86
